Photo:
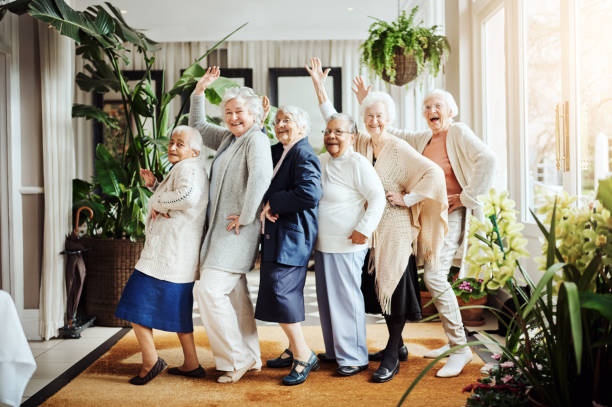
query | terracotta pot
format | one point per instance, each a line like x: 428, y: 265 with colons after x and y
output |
x: 472, y: 316
x: 430, y: 309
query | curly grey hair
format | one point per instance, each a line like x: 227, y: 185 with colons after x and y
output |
x: 252, y: 101
x: 448, y: 99
x: 299, y: 116
x: 378, y: 97
x: 195, y: 139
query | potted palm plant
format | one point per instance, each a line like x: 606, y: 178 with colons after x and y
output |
x: 117, y: 194
x: 399, y: 51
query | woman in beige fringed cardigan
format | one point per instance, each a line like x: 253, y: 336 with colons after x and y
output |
x: 469, y: 167
x: 413, y: 224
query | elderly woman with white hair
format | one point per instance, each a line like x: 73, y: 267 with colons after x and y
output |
x: 469, y: 167
x: 289, y: 232
x: 159, y: 293
x: 411, y: 230
x: 240, y: 175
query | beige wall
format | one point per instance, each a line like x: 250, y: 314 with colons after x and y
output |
x: 31, y: 158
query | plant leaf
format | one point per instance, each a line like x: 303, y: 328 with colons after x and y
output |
x: 600, y: 302
x: 92, y: 112
x: 546, y: 278
x: 604, y: 193
x: 109, y: 173
x: 575, y: 319
x: 214, y: 93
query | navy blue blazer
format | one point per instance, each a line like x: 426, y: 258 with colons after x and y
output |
x: 294, y: 195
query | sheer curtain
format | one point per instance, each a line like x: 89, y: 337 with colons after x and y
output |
x: 57, y: 83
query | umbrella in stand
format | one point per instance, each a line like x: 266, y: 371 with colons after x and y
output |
x: 75, y: 277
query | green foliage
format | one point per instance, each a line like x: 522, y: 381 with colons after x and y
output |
x: 427, y: 47
x: 117, y: 194
x: 469, y: 289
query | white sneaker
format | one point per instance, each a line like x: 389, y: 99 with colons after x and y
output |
x: 432, y: 354
x: 455, y: 364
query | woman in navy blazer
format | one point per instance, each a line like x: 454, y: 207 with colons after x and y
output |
x: 289, y: 220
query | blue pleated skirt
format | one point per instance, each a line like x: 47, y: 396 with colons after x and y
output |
x: 157, y: 304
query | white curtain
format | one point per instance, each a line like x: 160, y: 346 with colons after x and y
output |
x: 57, y: 90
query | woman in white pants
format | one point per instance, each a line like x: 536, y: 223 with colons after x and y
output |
x: 468, y: 166
x: 240, y: 176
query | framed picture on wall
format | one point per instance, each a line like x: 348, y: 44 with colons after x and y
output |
x: 293, y: 86
x: 243, y: 76
x: 111, y: 103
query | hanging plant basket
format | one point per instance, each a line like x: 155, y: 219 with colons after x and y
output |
x: 406, y: 69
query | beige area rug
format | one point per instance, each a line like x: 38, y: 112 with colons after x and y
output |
x: 105, y: 383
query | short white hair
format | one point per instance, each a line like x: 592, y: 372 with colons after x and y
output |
x: 195, y: 139
x: 352, y: 125
x: 250, y: 98
x: 448, y: 99
x: 299, y: 116
x: 378, y: 97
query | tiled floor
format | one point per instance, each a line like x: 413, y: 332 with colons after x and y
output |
x: 55, y: 356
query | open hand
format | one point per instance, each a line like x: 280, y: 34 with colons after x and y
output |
x: 267, y: 214
x: 148, y: 177
x: 234, y: 223
x: 360, y: 89
x: 211, y: 75
x: 316, y: 71
x: 358, y: 238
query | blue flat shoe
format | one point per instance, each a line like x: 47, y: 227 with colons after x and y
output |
x: 280, y: 361
x: 295, y: 377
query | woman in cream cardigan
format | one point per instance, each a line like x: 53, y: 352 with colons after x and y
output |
x: 413, y: 222
x: 159, y: 293
x: 240, y: 175
x: 469, y: 167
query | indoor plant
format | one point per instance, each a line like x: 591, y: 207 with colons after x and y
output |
x: 559, y: 337
x: 469, y: 292
x: 401, y: 50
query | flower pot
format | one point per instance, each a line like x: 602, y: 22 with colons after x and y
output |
x: 109, y: 264
x: 430, y: 309
x: 405, y: 68
x: 472, y: 316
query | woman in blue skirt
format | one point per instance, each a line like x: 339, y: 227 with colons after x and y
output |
x: 159, y: 293
x: 289, y: 220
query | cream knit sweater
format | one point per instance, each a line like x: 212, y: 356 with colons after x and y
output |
x: 172, y: 245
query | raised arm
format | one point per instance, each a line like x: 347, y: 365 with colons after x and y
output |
x: 186, y: 193
x: 318, y: 80
x: 212, y: 135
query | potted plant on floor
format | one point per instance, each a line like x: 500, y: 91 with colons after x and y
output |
x: 117, y: 194
x: 559, y: 338
x: 469, y: 292
x: 401, y: 50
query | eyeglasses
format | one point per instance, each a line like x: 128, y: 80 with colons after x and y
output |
x: 337, y: 132
x: 283, y: 121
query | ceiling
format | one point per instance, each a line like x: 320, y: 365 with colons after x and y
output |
x: 206, y: 20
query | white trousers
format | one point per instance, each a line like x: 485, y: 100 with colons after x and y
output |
x: 227, y: 314
x: 436, y: 281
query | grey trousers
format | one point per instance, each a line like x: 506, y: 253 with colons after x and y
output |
x: 436, y: 281
x: 341, y: 307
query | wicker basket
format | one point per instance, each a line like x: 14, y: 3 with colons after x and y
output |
x: 109, y: 264
x: 405, y: 68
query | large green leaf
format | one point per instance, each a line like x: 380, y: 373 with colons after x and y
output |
x: 109, y: 173
x: 92, y: 112
x: 575, y: 319
x: 214, y: 92
x: 98, y: 85
x: 600, y: 302
x: 604, y: 193
x: 544, y: 281
x: 127, y: 33
x: 61, y: 16
x: 101, y: 20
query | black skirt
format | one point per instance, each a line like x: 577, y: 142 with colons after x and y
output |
x: 406, y: 299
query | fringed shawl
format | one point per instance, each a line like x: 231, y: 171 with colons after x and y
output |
x: 402, y: 231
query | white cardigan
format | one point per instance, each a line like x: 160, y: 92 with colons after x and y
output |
x: 172, y: 246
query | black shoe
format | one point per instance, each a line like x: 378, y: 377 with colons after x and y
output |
x: 382, y: 374
x: 294, y: 377
x: 197, y: 373
x: 157, y: 368
x: 280, y: 361
x: 324, y: 358
x: 350, y: 370
x: 378, y: 356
